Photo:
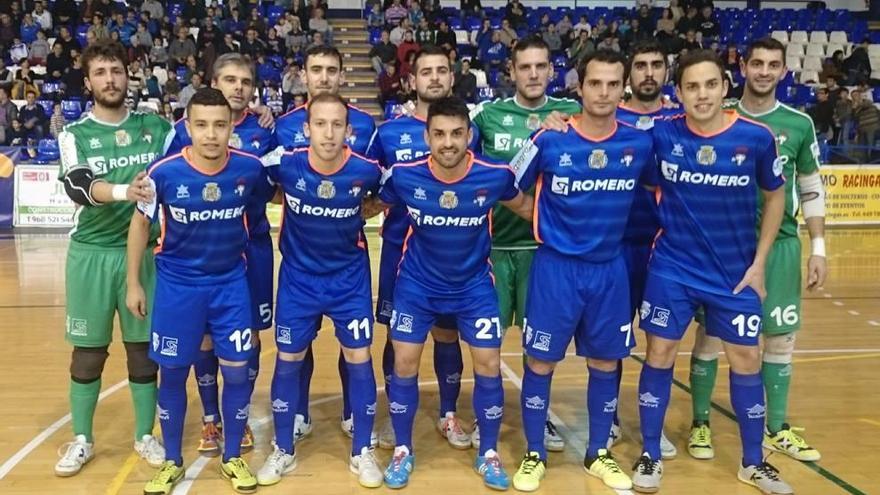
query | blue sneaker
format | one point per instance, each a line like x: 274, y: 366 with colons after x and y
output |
x: 398, y: 470
x: 489, y: 467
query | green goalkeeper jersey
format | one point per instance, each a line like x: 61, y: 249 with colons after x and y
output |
x: 115, y: 153
x: 505, y: 126
x: 799, y: 151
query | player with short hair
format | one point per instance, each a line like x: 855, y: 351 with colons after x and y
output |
x: 323, y: 73
x: 579, y: 274
x: 449, y: 197
x: 325, y: 270
x: 398, y: 140
x: 234, y: 75
x: 763, y: 66
x: 505, y: 126
x: 202, y: 194
x: 713, y: 166
x: 103, y: 158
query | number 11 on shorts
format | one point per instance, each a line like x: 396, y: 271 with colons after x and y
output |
x: 358, y: 326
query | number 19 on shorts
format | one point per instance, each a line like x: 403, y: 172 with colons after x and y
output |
x: 747, y: 326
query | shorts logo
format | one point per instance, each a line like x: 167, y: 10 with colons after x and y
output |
x: 542, y: 341
x: 243, y: 412
x: 494, y: 412
x: 207, y: 380
x: 371, y: 409
x: 282, y: 335
x: 645, y: 311
x: 163, y: 413
x: 660, y: 317
x: 610, y: 406
x: 648, y: 400
x: 279, y: 406
x: 453, y: 378
x: 405, y: 323
x: 536, y: 403
x: 386, y: 309
x: 397, y: 408
x: 78, y: 327
x: 169, y: 346
x: 756, y: 412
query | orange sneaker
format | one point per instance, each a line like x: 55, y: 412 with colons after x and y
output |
x: 209, y: 444
x: 247, y: 440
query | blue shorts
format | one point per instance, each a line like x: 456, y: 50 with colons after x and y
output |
x: 474, y: 312
x: 569, y: 297
x: 668, y: 307
x: 636, y: 257
x: 184, y: 312
x: 345, y: 297
x: 389, y: 263
x: 260, y: 276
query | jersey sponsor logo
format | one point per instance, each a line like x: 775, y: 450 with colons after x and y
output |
x: 95, y: 144
x: 168, y: 347
x: 494, y: 412
x: 397, y: 408
x: 282, y: 334
x: 206, y: 380
x: 565, y: 160
x: 536, y: 403
x: 122, y: 138
x: 677, y: 149
x: 507, y: 120
x: 405, y: 138
x: 564, y: 185
x: 444, y: 221
x: 242, y: 414
x: 280, y: 406
x: 101, y: 165
x: 660, y: 317
x: 448, y: 200
x: 301, y: 184
x: 542, y: 341
x: 182, y: 192
x: 407, y: 154
x: 505, y: 142
x: 648, y: 399
x: 182, y: 216
x: 559, y: 185
x: 610, y: 406
x: 211, y: 192
x: 671, y: 173
x: 598, y: 159
x: 706, y: 155
x: 297, y: 206
x: 757, y: 411
x: 326, y: 189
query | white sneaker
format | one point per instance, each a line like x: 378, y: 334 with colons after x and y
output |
x: 614, y: 436
x: 647, y: 474
x: 553, y: 441
x: 386, y: 435
x: 347, y: 427
x: 277, y: 465
x: 367, y: 468
x: 450, y: 428
x: 150, y: 450
x: 667, y: 448
x: 764, y: 477
x: 301, y: 427
x: 77, y: 454
x: 475, y: 436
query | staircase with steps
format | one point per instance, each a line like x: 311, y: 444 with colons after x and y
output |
x: 351, y: 38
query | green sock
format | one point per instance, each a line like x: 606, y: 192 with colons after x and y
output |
x: 702, y: 383
x: 777, y: 379
x: 83, y: 399
x: 143, y: 395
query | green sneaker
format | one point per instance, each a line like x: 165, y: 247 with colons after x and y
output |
x: 165, y: 478
x: 239, y: 474
x: 530, y: 473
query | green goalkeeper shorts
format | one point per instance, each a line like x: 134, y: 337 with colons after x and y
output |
x: 511, y: 270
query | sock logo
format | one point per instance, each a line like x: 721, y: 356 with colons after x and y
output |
x: 282, y: 334
x: 163, y: 413
x: 785, y: 371
x: 536, y: 403
x: 610, y: 406
x: 371, y: 409
x: 647, y: 399
x: 397, y: 408
x: 542, y: 341
x: 453, y: 378
x: 280, y: 406
x: 207, y: 380
x: 169, y: 346
x: 243, y: 412
x: 756, y: 412
x: 252, y: 373
x: 660, y: 317
x: 494, y: 412
x: 699, y: 370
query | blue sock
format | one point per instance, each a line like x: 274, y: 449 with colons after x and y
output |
x: 253, y: 365
x: 747, y: 399
x: 236, y: 402
x: 448, y: 366
x: 172, y: 410
x: 535, y: 402
x: 404, y: 402
x: 655, y: 386
x: 362, y: 393
x: 387, y: 363
x: 342, y: 366
x: 305, y: 382
x: 488, y: 407
x: 285, y: 392
x: 601, y: 407
x: 205, y: 369
x: 619, y: 379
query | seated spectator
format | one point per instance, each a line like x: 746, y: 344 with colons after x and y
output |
x: 505, y: 87
x: 731, y: 58
x: 406, y: 66
x: 483, y: 35
x: 395, y: 13
x: 234, y: 24
x: 317, y: 40
x: 23, y: 82
x: 39, y: 49
x: 42, y: 16
x: 465, y: 86
x: 583, y: 25
x: 98, y: 29
x: 646, y: 18
x: 57, y: 121
x: 275, y: 45
x: 415, y: 13
x: 18, y: 135
x: 865, y: 89
x: 292, y: 82
x: 257, y: 22
x: 28, y: 29
x: 690, y: 41
x: 273, y: 99
x: 471, y: 8
x: 833, y: 67
x: 867, y: 121
x: 141, y: 40
x: 496, y: 53
x: 125, y: 30
x: 425, y: 34
x: 389, y: 84
x: 135, y: 78
x: 73, y: 79
x: 297, y: 39
x: 609, y: 43
x: 181, y: 47
x: 8, y: 30
x: 834, y: 90
x: 158, y: 54
x: 689, y: 21
x: 601, y: 27
x: 151, y: 85
x: 842, y: 118
x: 446, y: 37
x: 282, y: 27
x: 454, y: 61
x: 18, y: 50
x: 32, y: 115
x: 406, y: 46
x: 822, y: 113
x: 552, y: 38
x: 666, y: 25
x: 188, y: 92
x: 508, y: 33
x: 634, y: 35
x: 8, y: 113
x: 193, y: 11
x: 252, y: 45
x: 318, y: 24
x: 858, y: 65
x: 515, y: 13
x: 376, y: 19
x: 543, y: 23
x: 708, y: 23
x: 384, y: 52
x: 208, y: 34
x: 581, y: 48
x: 564, y: 26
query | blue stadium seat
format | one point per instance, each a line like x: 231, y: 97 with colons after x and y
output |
x: 72, y: 109
x: 474, y: 23
x: 560, y: 61
x: 47, y: 105
x: 485, y: 94
x: 81, y: 34
x: 276, y: 60
x: 493, y: 77
x: 47, y: 151
x: 175, y: 8
x: 181, y: 72
x: 876, y: 94
x: 454, y: 22
x: 50, y: 87
x: 273, y: 13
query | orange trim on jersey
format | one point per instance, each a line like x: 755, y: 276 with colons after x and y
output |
x: 362, y: 157
x: 161, y: 240
x: 728, y: 125
x: 623, y: 106
x: 244, y: 115
x: 163, y: 161
x: 409, y: 233
x: 573, y: 124
x: 186, y: 156
x: 469, y: 165
x: 291, y: 111
x: 360, y: 240
x: 539, y: 186
x: 244, y: 153
x: 346, y: 154
x: 540, y: 131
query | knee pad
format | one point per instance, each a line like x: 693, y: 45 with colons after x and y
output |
x: 706, y: 347
x: 778, y: 349
x: 87, y: 363
x: 141, y: 369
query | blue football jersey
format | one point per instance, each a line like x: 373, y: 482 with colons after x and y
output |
x: 708, y: 190
x: 248, y: 136
x: 446, y: 249
x: 401, y: 140
x: 322, y: 231
x: 290, y: 134
x: 584, y: 187
x: 203, y: 215
x: 644, y: 221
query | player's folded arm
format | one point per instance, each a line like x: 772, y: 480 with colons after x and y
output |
x: 78, y: 184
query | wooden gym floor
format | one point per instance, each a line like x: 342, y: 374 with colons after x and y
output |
x: 834, y: 396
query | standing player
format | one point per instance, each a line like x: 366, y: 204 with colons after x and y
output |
x: 763, y: 67
x: 713, y: 164
x: 399, y: 140
x: 323, y: 74
x: 233, y: 75
x: 325, y: 270
x: 201, y: 197
x: 578, y: 277
x: 103, y: 156
x: 505, y: 126
x: 449, y: 197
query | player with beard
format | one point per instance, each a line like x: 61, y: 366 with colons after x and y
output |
x: 103, y: 159
x: 763, y: 66
x: 399, y: 140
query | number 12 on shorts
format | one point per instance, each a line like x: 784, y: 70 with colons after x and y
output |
x: 241, y: 339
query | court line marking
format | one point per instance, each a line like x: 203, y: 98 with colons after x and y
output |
x: 45, y: 434
x: 124, y: 471
x: 796, y: 351
x: 869, y: 421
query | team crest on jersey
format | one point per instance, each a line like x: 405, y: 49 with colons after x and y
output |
x: 645, y: 122
x: 481, y: 197
x: 706, y: 155
x: 565, y: 160
x: 326, y: 189
x: 405, y: 138
x: 628, y: 154
x: 507, y: 121
x: 356, y: 188
x: 182, y: 192
x: 739, y: 155
x: 419, y: 193
x: 598, y: 159
x: 122, y: 138
x: 533, y: 122
x: 211, y: 192
x: 448, y: 200
x: 95, y: 143
x: 235, y: 141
